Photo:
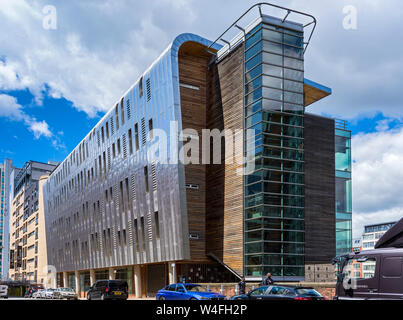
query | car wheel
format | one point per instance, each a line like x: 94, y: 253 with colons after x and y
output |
x: 161, y: 298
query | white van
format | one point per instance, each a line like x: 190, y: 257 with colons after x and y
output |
x: 3, y: 291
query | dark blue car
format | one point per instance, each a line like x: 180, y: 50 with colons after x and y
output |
x: 187, y: 291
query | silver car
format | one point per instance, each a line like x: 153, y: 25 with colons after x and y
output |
x: 48, y: 293
x: 38, y: 294
x: 65, y: 293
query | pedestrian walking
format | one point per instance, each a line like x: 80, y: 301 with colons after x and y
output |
x: 242, y: 286
x: 268, y: 281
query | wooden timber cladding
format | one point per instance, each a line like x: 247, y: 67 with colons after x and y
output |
x: 215, y: 209
x: 193, y: 63
x: 224, y: 185
x: 320, y: 215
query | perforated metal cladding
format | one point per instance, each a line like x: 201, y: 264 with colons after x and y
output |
x: 161, y: 102
x: 143, y: 131
x: 133, y: 187
x: 148, y: 85
x: 124, y: 146
x: 154, y: 176
x: 112, y: 126
x: 128, y: 110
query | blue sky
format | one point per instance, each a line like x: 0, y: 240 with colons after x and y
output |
x: 68, y: 126
x: 55, y: 84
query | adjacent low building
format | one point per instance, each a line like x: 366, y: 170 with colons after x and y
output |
x: 28, y: 256
x: 137, y: 199
x: 372, y: 233
x: 6, y: 170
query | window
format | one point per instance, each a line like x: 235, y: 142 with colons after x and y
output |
x: 117, y: 116
x: 136, y: 232
x: 118, y: 146
x: 113, y: 151
x: 259, y: 292
x: 127, y: 193
x: 157, y: 225
x: 150, y: 129
x: 102, y: 136
x: 141, y: 87
x: 392, y: 267
x: 122, y: 206
x: 122, y: 111
x: 130, y: 142
x: 136, y: 136
x: 124, y: 237
x: 107, y: 131
x: 104, y: 158
x: 277, y: 290
x: 146, y: 178
x: 368, y: 265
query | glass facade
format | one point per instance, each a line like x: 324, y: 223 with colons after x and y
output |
x: 343, y: 189
x: 274, y: 192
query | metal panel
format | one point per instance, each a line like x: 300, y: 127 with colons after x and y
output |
x: 68, y: 226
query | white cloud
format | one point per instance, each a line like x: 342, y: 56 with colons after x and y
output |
x: 10, y: 109
x: 95, y: 54
x: 40, y: 128
x: 377, y: 178
x: 100, y: 47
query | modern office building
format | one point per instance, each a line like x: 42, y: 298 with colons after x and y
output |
x: 28, y: 257
x: 5, y: 171
x: 372, y: 233
x: 127, y: 203
x: 357, y: 245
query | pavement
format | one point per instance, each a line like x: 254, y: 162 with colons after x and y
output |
x: 22, y: 298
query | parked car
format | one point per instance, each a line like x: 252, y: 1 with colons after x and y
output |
x: 65, y: 293
x: 276, y: 292
x: 108, y: 290
x: 38, y: 294
x: 4, y: 291
x: 49, y: 293
x: 187, y: 291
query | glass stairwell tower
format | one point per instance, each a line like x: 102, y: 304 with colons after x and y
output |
x: 274, y: 109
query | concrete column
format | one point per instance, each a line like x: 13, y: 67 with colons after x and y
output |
x: 92, y: 277
x: 172, y: 272
x: 78, y: 283
x: 137, y: 281
x: 111, y: 274
x: 65, y: 280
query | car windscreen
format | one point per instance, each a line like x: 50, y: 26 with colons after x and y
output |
x: 195, y: 288
x: 117, y: 285
x: 308, y: 292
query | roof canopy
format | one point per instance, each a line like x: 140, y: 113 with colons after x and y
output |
x: 315, y: 92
